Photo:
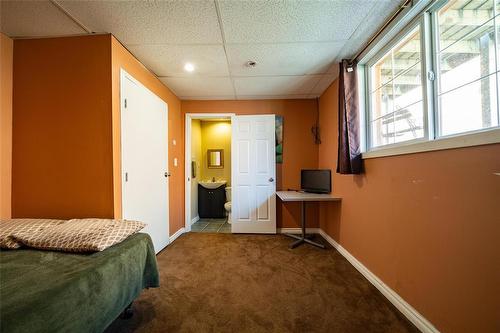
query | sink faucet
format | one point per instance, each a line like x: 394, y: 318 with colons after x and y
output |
x: 213, y: 179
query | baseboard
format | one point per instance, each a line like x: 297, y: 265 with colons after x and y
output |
x: 196, y: 219
x: 177, y: 234
x: 406, y: 309
x: 297, y: 230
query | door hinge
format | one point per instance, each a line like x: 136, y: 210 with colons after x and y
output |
x: 125, y: 103
x: 126, y: 176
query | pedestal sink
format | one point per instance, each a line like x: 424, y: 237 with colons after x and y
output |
x: 212, y: 185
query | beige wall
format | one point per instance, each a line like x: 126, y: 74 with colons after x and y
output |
x: 427, y: 224
x: 6, y: 58
x: 216, y: 135
x: 196, y: 156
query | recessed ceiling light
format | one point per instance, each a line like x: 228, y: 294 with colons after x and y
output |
x: 189, y: 67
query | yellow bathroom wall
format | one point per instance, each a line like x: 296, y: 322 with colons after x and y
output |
x: 196, y: 156
x: 216, y: 135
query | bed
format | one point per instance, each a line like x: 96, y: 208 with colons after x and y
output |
x: 47, y: 291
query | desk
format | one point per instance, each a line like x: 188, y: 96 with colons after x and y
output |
x: 303, y: 197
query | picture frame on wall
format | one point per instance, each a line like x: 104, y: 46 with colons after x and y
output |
x: 279, y: 138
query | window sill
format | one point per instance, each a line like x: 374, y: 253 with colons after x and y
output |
x: 459, y: 141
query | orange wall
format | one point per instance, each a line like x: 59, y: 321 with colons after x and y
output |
x: 67, y: 128
x: 427, y: 224
x: 6, y: 54
x: 62, y: 148
x: 121, y: 58
x: 299, y: 150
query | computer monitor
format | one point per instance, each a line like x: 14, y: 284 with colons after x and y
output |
x: 316, y: 181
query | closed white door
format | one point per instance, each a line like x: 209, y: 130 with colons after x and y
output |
x: 253, y: 174
x: 144, y: 150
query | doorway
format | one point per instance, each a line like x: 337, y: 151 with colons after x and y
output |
x: 208, y: 171
x: 231, y: 187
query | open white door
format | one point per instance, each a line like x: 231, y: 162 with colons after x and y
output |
x: 144, y: 150
x: 253, y: 174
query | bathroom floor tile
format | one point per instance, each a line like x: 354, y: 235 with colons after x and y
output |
x: 212, y: 226
x: 198, y: 226
x: 225, y: 229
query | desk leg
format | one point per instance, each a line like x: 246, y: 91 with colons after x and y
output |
x: 303, y: 238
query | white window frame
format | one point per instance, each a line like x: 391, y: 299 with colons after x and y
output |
x: 369, y: 89
x: 422, y: 13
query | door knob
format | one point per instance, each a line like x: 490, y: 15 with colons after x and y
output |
x: 167, y: 174
x: 271, y: 180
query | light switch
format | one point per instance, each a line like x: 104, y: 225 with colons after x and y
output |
x: 175, y: 161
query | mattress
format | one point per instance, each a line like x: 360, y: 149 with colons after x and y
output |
x: 47, y: 291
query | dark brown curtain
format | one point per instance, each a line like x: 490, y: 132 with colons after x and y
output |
x: 349, y: 153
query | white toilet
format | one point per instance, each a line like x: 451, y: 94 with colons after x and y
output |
x: 227, y: 205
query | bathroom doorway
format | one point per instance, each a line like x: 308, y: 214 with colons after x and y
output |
x: 208, y: 173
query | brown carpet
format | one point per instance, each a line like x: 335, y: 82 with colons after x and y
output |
x: 255, y: 283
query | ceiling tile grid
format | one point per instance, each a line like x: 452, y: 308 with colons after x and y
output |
x: 296, y: 44
x: 150, y: 22
x: 169, y: 60
x: 282, y: 59
x: 248, y: 97
x: 291, y: 21
x: 200, y: 86
x: 35, y: 19
x: 279, y: 85
x: 368, y: 27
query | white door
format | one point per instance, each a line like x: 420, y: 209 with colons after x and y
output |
x: 253, y: 174
x: 144, y: 150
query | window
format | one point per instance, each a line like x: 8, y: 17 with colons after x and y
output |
x: 437, y: 77
x: 466, y: 53
x: 397, y: 112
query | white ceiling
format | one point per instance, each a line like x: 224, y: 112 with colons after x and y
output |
x: 296, y: 44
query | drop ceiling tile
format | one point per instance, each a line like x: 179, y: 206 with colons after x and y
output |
x: 207, y: 98
x: 275, y: 85
x: 199, y: 86
x: 169, y: 60
x: 150, y: 22
x: 244, y: 97
x: 379, y: 14
x: 323, y: 84
x: 282, y: 59
x: 35, y: 19
x: 291, y: 21
x: 351, y: 48
x: 334, y: 69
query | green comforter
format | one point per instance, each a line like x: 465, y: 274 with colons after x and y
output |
x: 45, y: 291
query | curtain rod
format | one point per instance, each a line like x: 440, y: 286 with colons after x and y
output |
x: 407, y: 3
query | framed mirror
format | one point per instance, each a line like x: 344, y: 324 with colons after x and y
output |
x: 215, y: 158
